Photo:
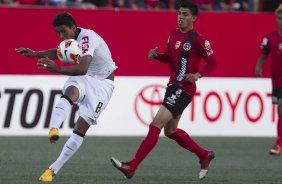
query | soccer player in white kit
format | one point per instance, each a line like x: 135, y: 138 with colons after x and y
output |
x: 90, y: 85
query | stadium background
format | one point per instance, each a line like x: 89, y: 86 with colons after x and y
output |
x: 229, y: 102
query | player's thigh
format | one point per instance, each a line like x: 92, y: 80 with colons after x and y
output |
x: 277, y: 98
x: 162, y: 117
x: 171, y: 126
x: 97, y: 96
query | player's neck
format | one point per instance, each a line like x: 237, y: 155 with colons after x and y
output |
x: 77, y: 32
x: 186, y: 30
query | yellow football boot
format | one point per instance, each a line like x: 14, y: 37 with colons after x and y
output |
x: 53, y: 135
x: 47, y: 176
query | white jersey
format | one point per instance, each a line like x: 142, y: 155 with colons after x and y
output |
x: 95, y: 90
x: 102, y: 64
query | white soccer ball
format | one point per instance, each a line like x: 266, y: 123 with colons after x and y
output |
x: 69, y: 51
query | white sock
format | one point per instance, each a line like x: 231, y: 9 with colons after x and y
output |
x: 70, y: 147
x: 60, y: 113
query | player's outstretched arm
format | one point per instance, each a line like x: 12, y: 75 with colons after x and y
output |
x: 51, y: 53
x: 26, y: 52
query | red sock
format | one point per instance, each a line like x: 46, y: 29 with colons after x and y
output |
x: 146, y: 146
x: 279, y: 131
x: 184, y: 140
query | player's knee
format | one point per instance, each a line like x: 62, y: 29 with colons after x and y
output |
x: 72, y: 93
x: 168, y: 132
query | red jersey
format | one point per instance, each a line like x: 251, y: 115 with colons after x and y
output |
x: 200, y: 49
x: 272, y: 44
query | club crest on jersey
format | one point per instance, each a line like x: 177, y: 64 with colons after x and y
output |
x: 280, y: 46
x: 177, y: 44
x: 187, y: 46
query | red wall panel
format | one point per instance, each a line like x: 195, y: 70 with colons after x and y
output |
x: 235, y: 38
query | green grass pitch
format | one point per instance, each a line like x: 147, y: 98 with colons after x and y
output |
x: 238, y: 161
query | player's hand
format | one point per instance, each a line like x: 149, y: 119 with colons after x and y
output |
x: 46, y: 64
x: 153, y: 53
x: 191, y: 77
x: 26, y: 52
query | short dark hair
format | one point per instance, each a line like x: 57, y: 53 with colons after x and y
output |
x: 64, y: 18
x: 279, y: 9
x: 190, y: 5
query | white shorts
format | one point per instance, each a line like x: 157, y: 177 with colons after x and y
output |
x: 94, y: 95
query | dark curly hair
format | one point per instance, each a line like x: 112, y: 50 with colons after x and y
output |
x: 64, y: 18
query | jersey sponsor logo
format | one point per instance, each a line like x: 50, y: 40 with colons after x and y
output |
x: 178, y: 92
x: 187, y: 46
x: 171, y: 100
x: 208, y: 48
x: 183, y: 69
x: 177, y: 44
x: 264, y: 41
x: 85, y: 44
x: 207, y: 45
x: 169, y: 103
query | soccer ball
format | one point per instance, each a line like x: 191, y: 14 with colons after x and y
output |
x: 69, y: 51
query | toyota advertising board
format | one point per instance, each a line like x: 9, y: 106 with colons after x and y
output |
x: 219, y: 108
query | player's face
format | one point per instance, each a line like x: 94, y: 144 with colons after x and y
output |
x: 185, y: 19
x: 66, y: 32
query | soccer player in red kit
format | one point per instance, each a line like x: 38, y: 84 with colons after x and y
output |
x: 185, y: 49
x: 272, y: 45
